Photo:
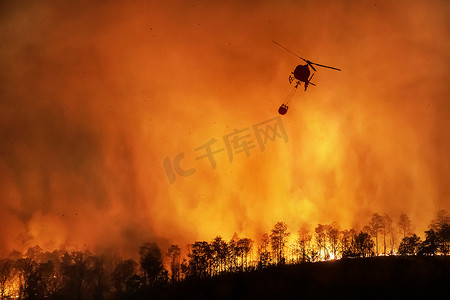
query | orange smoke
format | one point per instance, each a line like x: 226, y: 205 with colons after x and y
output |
x: 94, y: 98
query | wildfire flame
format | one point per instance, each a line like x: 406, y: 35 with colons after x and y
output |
x: 96, y: 96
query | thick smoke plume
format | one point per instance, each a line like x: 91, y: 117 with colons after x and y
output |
x: 95, y: 96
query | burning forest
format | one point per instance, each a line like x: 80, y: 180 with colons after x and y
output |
x: 130, y: 130
x: 175, y: 272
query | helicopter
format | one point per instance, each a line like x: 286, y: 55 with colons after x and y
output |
x: 301, y: 74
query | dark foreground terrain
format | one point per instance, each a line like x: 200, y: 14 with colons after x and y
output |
x: 378, y: 277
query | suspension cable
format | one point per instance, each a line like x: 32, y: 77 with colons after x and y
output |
x: 291, y: 94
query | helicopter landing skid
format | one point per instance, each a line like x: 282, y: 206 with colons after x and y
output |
x: 291, y: 78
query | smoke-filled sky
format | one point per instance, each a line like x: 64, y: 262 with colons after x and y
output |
x: 98, y: 100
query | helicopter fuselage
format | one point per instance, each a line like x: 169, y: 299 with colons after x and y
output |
x: 302, y: 73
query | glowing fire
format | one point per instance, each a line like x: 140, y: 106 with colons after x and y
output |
x: 89, y: 113
x: 12, y: 289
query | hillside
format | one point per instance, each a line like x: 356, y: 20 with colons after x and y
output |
x: 386, y: 277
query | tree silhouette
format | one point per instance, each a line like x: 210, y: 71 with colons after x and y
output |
x: 199, y: 260
x: 26, y: 268
x: 409, y: 245
x: 74, y: 268
x: 321, y: 240
x: 441, y: 226
x: 392, y: 239
x: 386, y: 228
x: 185, y: 267
x: 244, y: 246
x: 405, y: 225
x: 121, y: 276
x: 174, y: 254
x: 34, y: 253
x: 442, y: 219
x: 96, y: 279
x: 152, y: 264
x: 220, y: 249
x: 431, y: 243
x: 314, y: 253
x: 376, y: 225
x: 42, y: 283
x: 264, y: 252
x: 347, y: 241
x: 278, y: 239
x: 37, y: 279
x: 333, y: 234
x: 363, y: 245
x: 7, y: 273
x: 444, y: 236
x: 233, y: 252
x: 304, y: 243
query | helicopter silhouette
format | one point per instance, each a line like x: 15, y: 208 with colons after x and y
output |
x: 301, y: 74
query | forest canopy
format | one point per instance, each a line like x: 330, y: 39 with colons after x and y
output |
x: 63, y: 274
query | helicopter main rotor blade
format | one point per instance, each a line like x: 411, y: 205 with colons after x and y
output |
x: 325, y: 66
x: 291, y: 52
x: 311, y: 65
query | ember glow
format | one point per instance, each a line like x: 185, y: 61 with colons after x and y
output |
x: 95, y: 97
